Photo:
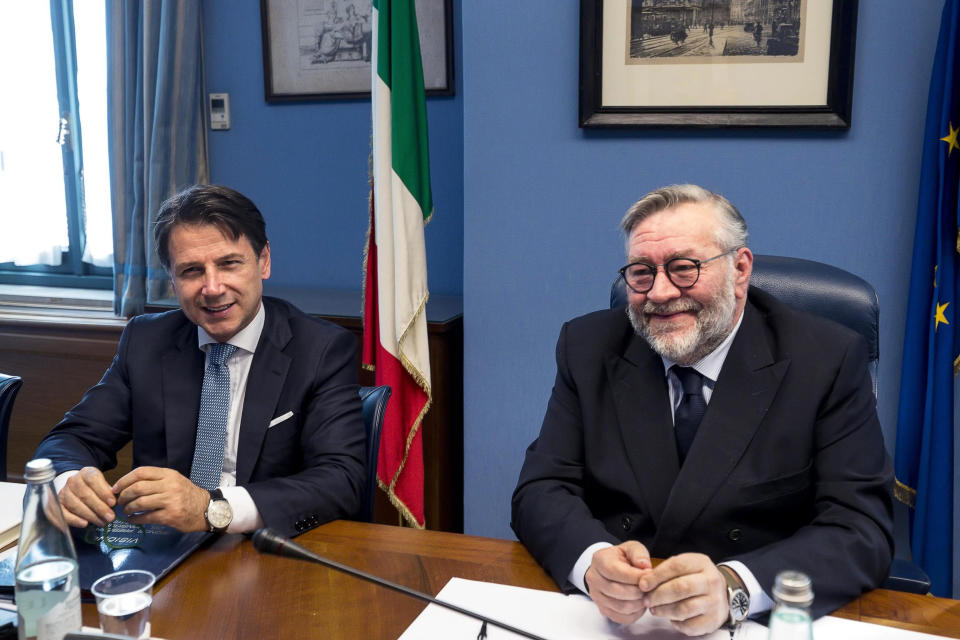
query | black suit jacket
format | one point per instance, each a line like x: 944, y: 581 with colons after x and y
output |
x: 788, y: 469
x: 302, y: 472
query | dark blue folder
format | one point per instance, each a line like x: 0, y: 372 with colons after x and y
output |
x: 118, y: 546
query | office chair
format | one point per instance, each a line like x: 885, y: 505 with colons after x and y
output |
x: 840, y: 296
x: 9, y: 386
x: 374, y: 401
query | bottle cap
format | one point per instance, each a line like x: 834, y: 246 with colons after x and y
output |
x: 39, y: 470
x: 793, y: 587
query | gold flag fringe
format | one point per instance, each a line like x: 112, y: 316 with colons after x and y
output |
x: 366, y: 366
x: 905, y: 494
x: 418, y: 377
x: 423, y: 384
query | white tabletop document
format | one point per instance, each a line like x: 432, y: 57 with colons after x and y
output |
x: 11, y: 511
x: 555, y: 616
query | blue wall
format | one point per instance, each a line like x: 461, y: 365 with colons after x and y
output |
x: 305, y: 164
x: 539, y: 200
x: 542, y: 201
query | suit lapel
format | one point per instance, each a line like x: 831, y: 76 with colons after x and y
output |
x: 643, y: 413
x: 742, y: 395
x: 181, y: 379
x: 268, y: 371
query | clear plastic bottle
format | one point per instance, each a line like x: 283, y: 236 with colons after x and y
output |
x: 47, y: 581
x: 793, y: 594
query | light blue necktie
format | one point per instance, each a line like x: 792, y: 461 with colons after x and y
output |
x: 212, y: 423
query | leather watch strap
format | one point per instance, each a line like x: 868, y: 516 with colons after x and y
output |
x: 736, y: 589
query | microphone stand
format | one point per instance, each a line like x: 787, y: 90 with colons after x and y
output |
x: 268, y: 541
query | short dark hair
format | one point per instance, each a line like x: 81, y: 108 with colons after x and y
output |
x: 228, y: 210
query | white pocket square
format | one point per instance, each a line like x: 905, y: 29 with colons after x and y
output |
x: 279, y: 419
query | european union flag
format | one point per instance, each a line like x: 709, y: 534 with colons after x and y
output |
x: 926, y: 463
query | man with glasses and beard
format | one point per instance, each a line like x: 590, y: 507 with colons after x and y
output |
x: 711, y: 426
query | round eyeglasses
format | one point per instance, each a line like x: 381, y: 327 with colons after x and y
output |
x: 682, y: 272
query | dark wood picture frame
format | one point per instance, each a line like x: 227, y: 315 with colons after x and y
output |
x: 438, y: 69
x: 834, y: 114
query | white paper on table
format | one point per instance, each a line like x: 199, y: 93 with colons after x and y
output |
x: 830, y: 627
x: 553, y: 616
x: 11, y: 511
x: 556, y: 616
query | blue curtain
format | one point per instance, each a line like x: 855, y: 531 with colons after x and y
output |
x: 156, y: 131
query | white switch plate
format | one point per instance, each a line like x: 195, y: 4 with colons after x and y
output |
x: 219, y: 110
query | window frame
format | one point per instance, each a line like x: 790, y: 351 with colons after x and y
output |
x: 72, y: 271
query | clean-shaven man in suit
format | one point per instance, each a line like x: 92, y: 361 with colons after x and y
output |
x: 708, y: 423
x: 269, y: 432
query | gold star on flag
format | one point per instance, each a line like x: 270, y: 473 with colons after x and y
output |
x: 951, y: 139
x: 939, y: 317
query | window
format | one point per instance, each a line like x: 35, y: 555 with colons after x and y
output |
x: 55, y: 219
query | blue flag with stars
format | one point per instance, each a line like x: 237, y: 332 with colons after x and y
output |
x: 926, y: 455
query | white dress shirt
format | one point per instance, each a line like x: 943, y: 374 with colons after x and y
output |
x: 709, y: 367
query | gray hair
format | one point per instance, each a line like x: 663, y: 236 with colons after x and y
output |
x: 731, y: 233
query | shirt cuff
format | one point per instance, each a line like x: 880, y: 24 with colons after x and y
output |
x: 61, y: 480
x: 583, y: 563
x: 760, y: 602
x: 246, y: 516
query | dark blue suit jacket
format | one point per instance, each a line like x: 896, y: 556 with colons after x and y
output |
x: 304, y: 471
x: 788, y: 469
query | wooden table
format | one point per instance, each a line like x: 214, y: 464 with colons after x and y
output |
x: 229, y: 590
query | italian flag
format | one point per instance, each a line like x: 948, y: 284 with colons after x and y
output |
x: 395, y: 285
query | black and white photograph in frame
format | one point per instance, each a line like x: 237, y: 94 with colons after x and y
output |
x: 716, y: 63
x: 321, y: 49
x: 736, y: 30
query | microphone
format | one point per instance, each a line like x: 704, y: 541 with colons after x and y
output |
x: 268, y: 541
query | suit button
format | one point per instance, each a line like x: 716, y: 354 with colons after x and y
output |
x: 735, y: 535
x: 626, y: 523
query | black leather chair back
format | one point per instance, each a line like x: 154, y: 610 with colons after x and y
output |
x: 374, y: 401
x: 814, y: 287
x: 9, y: 386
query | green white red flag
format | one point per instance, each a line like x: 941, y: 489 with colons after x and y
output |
x: 395, y: 285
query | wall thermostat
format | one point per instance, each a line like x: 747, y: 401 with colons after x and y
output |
x: 219, y: 110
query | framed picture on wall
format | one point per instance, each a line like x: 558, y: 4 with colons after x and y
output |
x: 321, y: 49
x: 717, y: 63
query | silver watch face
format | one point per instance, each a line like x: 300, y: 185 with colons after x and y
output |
x: 739, y: 605
x: 219, y: 514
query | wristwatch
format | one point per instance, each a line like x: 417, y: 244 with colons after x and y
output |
x: 218, y: 515
x: 738, y: 599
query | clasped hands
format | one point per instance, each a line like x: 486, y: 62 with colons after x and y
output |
x: 687, y: 589
x: 148, y: 495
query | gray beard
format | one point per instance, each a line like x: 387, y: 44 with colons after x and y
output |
x: 713, y: 324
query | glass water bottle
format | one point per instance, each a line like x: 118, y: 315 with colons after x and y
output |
x: 791, y: 619
x: 47, y: 581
